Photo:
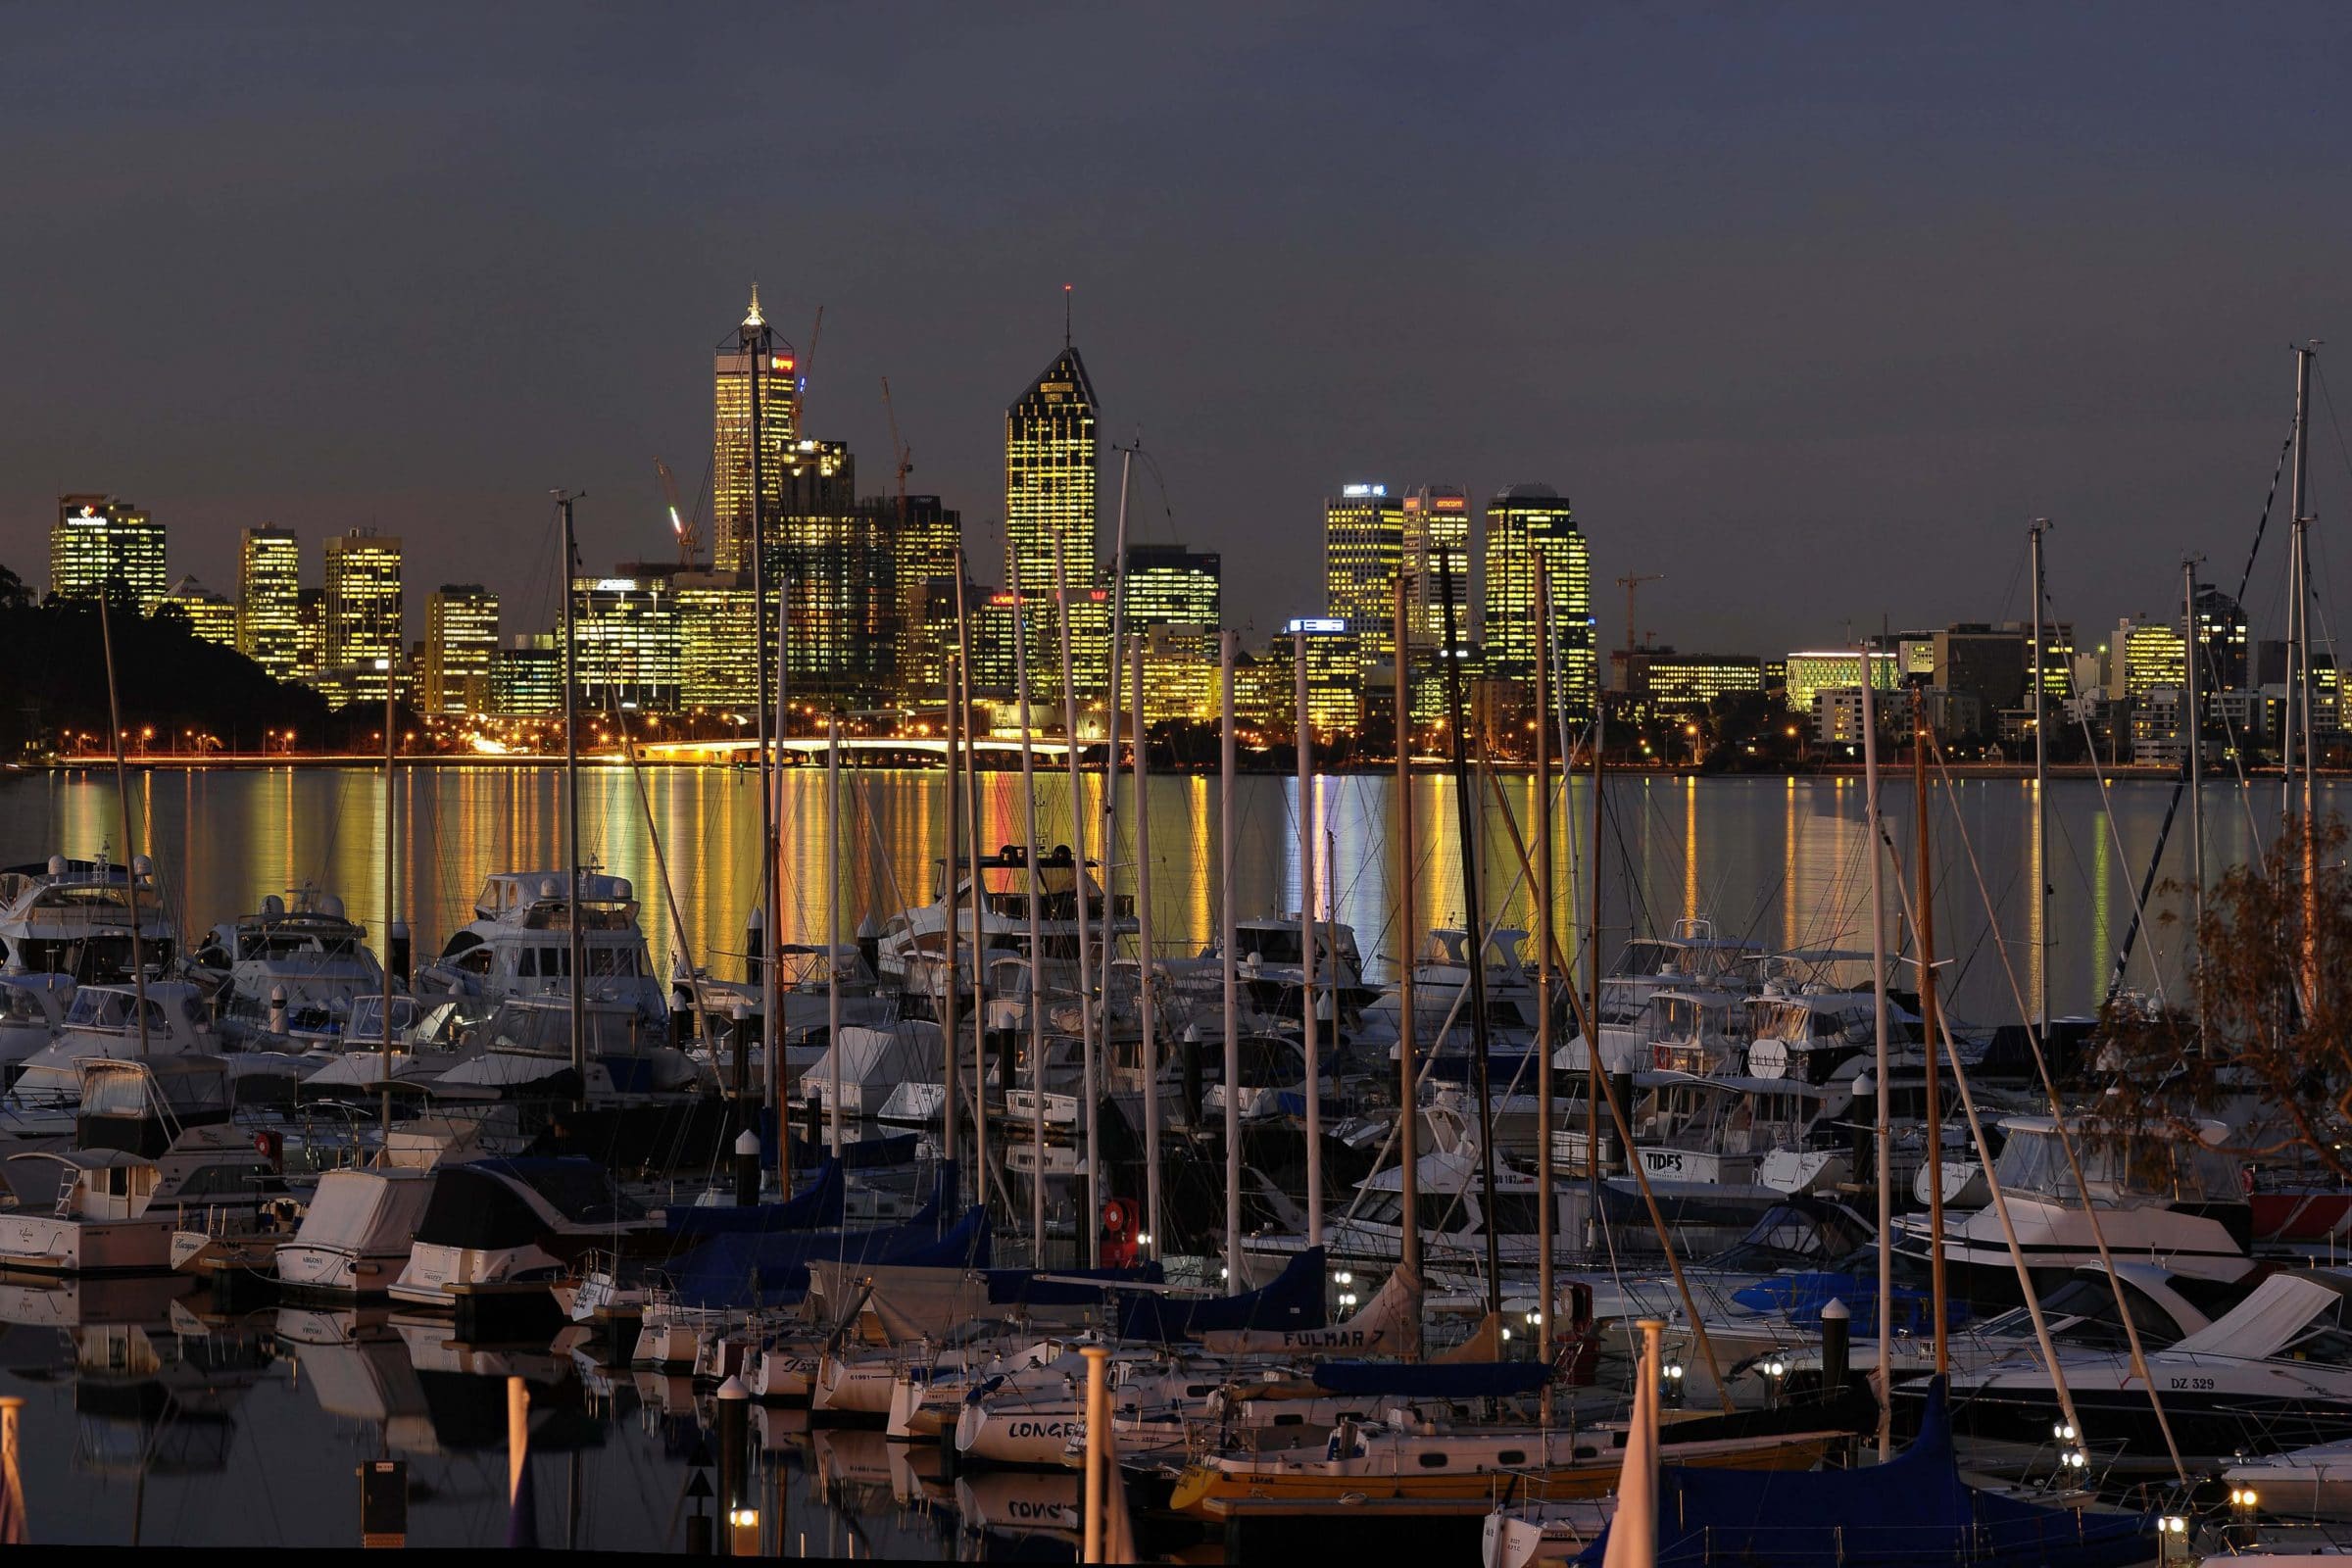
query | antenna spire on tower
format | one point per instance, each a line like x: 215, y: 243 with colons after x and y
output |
x: 1065, y: 315
x: 751, y: 317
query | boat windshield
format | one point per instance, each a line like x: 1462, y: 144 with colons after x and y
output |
x: 2122, y: 1171
x: 111, y: 1010
x: 546, y: 1031
x: 2082, y: 1312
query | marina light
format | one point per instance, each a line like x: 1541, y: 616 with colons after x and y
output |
x: 1345, y: 1277
x: 2174, y: 1525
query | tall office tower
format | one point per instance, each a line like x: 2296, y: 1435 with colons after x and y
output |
x: 99, y: 539
x: 1523, y: 522
x: 527, y: 676
x: 310, y: 635
x: 269, y: 599
x: 1050, y: 467
x: 924, y: 537
x: 460, y: 635
x: 1437, y: 540
x: 1169, y: 585
x: 716, y: 644
x: 363, y: 610
x: 2222, y: 636
x: 830, y: 568
x: 753, y: 352
x: 208, y: 614
x: 2146, y: 655
x: 1364, y: 548
x: 626, y: 635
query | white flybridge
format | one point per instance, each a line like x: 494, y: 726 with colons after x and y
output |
x: 104, y: 1021
x: 74, y: 917
x: 291, y: 969
x: 519, y: 944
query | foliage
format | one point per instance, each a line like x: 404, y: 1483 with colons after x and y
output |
x: 2263, y: 1043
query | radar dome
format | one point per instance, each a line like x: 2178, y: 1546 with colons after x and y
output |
x: 331, y: 906
x: 273, y: 907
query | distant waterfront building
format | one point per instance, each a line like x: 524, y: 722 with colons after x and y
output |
x: 1675, y: 682
x: 209, y: 616
x: 461, y: 636
x: 99, y: 539
x: 1809, y: 673
x: 751, y: 353
x: 1050, y: 463
x: 1524, y: 522
x: 625, y: 641
x: 269, y: 601
x: 1364, y: 550
x: 363, y: 608
x: 1181, y: 673
x: 1435, y: 553
x: 527, y: 676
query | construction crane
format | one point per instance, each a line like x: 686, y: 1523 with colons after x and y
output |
x: 1631, y: 585
x: 690, y: 538
x: 899, y: 452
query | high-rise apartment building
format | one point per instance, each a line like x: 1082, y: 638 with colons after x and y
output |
x: 1523, y: 523
x: 97, y: 540
x: 363, y: 637
x: 209, y: 616
x: 1363, y: 549
x: 461, y: 637
x: 752, y: 354
x: 269, y: 601
x: 1437, y: 553
x: 1050, y: 470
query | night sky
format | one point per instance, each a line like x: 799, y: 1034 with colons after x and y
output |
x: 1810, y: 309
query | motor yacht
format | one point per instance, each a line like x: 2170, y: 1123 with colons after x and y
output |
x: 289, y: 970
x: 503, y: 1221
x: 104, y: 1022
x: 74, y: 917
x: 518, y: 943
x: 33, y: 1012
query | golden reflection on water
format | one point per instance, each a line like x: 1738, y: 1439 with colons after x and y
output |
x: 1781, y: 861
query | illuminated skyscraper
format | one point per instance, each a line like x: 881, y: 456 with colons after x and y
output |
x: 1363, y: 547
x: 310, y: 634
x: 625, y: 636
x: 1437, y: 540
x: 461, y: 636
x: 716, y: 644
x: 753, y: 350
x: 1523, y: 522
x: 269, y: 601
x: 2222, y: 637
x: 1169, y: 585
x: 925, y: 536
x: 527, y: 676
x: 98, y: 539
x: 829, y: 566
x: 362, y: 613
x: 1049, y: 469
x: 208, y: 614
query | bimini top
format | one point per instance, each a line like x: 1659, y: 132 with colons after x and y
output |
x: 507, y: 893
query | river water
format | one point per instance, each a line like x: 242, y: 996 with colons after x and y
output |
x: 149, y: 1419
x: 1774, y: 860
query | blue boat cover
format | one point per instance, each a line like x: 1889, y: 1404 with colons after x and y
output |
x: 1432, y: 1380
x: 1912, y: 1510
x: 871, y: 1153
x: 816, y: 1206
x: 1011, y: 1287
x: 1803, y: 1295
x: 771, y: 1268
x: 1293, y: 1300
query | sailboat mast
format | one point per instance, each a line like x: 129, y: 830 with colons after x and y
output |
x: 1093, y: 1225
x: 950, y: 996
x: 833, y: 931
x: 1545, y: 1221
x: 2193, y: 729
x: 755, y: 341
x: 971, y: 805
x: 130, y: 861
x: 1883, y: 1177
x: 1309, y: 1033
x: 1925, y: 925
x: 390, y: 837
x: 1145, y: 1002
x: 1227, y: 861
x: 1408, y: 1076
x: 1036, y: 1008
x: 2042, y: 797
x: 571, y: 819
x: 1115, y: 674
x: 1475, y: 930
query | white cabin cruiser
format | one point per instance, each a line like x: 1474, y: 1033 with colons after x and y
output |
x: 526, y: 1048
x: 1269, y: 956
x: 100, y: 1224
x: 503, y: 1221
x: 356, y: 1233
x: 33, y: 1012
x: 104, y: 1022
x: 1442, y: 976
x: 291, y: 970
x: 912, y: 949
x: 74, y: 917
x: 518, y: 943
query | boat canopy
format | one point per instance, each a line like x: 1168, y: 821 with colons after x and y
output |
x: 1294, y: 1299
x: 366, y: 1211
x: 2302, y: 1311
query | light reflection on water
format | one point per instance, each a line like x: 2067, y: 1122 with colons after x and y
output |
x: 1775, y: 861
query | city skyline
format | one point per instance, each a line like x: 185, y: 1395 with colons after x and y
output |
x: 1922, y: 330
